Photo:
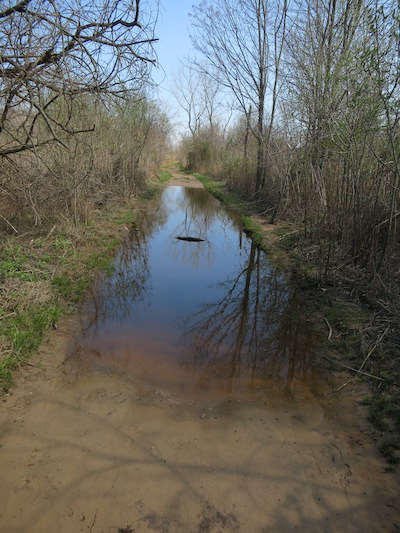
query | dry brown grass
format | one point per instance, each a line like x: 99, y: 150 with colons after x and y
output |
x: 18, y: 294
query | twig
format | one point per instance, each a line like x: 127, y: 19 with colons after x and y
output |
x: 23, y: 362
x: 344, y: 385
x: 353, y: 369
x: 330, y: 330
x: 9, y: 223
x: 93, y: 521
x: 6, y: 316
x: 287, y: 234
x: 362, y: 364
x: 374, y: 347
x: 51, y: 232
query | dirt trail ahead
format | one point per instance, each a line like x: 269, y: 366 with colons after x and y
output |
x: 98, y: 453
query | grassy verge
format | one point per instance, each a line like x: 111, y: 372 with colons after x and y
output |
x: 254, y: 230
x: 217, y: 189
x: 153, y: 186
x: 42, y: 276
x: 164, y: 175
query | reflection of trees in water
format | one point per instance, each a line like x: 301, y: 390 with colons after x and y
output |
x: 203, y: 210
x: 202, y: 215
x: 256, y: 331
x: 122, y: 295
x: 118, y: 297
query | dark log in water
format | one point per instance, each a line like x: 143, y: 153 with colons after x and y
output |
x: 190, y: 239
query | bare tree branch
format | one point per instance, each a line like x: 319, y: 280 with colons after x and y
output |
x: 18, y: 8
x: 52, y: 51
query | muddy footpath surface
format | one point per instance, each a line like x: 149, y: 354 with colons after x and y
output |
x: 97, y: 452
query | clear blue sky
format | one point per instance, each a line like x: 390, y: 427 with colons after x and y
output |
x: 173, y: 45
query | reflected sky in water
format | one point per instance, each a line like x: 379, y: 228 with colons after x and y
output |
x: 209, y: 318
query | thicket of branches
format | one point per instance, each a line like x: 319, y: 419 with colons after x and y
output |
x: 315, y: 89
x: 75, y: 126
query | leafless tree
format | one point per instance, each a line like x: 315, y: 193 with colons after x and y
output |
x: 207, y: 111
x: 201, y: 99
x: 382, y: 63
x: 52, y: 52
x: 243, y: 42
x: 343, y: 100
x: 186, y: 90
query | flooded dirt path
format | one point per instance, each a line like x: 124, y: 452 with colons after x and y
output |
x: 87, y: 446
x: 193, y: 306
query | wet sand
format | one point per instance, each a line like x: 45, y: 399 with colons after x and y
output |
x: 98, y: 453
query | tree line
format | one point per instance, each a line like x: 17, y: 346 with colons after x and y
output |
x: 296, y: 105
x: 77, y: 127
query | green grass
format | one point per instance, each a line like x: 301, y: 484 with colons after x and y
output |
x: 25, y: 322
x: 30, y: 309
x: 62, y: 243
x: 70, y: 288
x: 217, y: 189
x: 13, y: 262
x: 73, y: 287
x: 21, y: 266
x: 164, y: 176
x: 125, y: 217
x: 25, y: 332
x: 150, y: 191
x: 100, y: 261
x: 184, y: 170
x: 177, y: 165
x: 253, y: 229
x: 110, y: 244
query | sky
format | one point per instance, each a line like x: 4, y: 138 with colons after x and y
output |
x: 174, y: 45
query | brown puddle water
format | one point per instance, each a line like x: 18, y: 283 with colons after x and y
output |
x: 204, y: 320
